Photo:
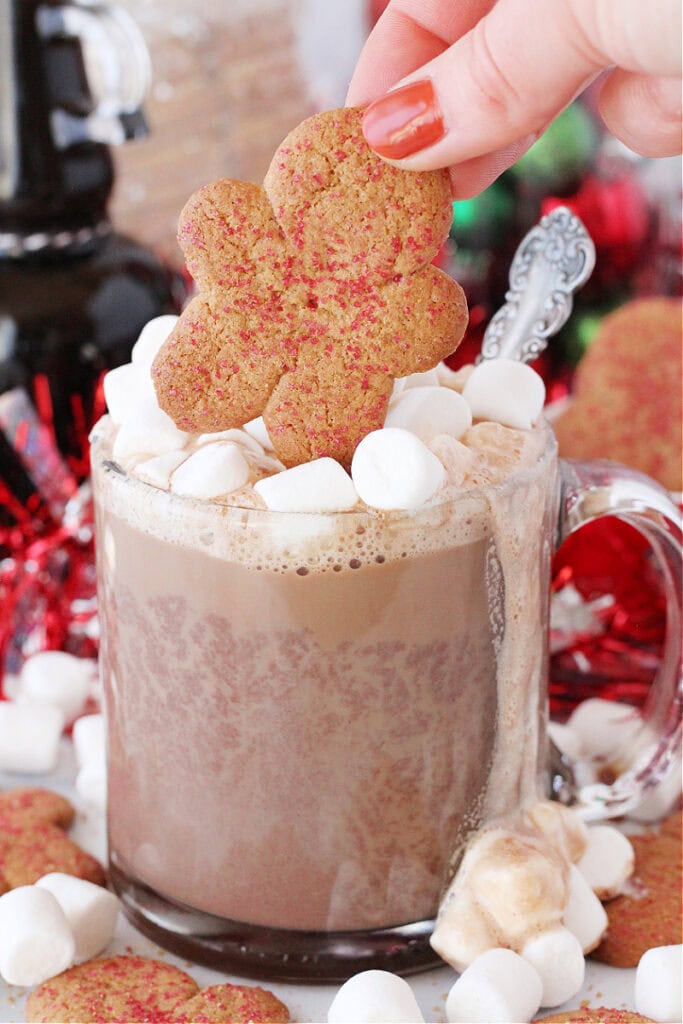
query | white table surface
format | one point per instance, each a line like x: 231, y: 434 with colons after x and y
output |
x: 604, y: 986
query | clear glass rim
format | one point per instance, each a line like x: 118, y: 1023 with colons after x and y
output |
x: 524, y: 474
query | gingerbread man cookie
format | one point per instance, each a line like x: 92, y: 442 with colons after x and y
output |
x: 33, y: 841
x: 315, y: 293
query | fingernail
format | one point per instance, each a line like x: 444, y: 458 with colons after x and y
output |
x: 404, y: 121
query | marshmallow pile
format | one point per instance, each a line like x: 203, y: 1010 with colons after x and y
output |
x: 46, y: 927
x: 532, y: 887
x: 401, y: 466
x: 599, y: 732
x: 51, y: 690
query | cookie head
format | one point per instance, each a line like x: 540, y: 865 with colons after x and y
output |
x: 315, y: 293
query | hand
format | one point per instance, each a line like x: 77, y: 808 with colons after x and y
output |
x: 474, y: 82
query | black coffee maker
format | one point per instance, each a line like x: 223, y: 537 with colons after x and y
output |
x: 73, y: 294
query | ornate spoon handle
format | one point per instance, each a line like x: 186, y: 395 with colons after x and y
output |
x: 552, y: 262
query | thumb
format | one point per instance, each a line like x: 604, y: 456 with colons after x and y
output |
x: 512, y: 73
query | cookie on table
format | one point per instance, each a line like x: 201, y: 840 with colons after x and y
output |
x: 239, y: 1004
x: 627, y: 392
x: 33, y: 841
x: 648, y: 914
x: 119, y: 988
x: 601, y: 1015
x: 315, y: 293
x: 133, y: 988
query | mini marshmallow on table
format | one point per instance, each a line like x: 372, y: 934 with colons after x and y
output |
x: 607, y: 861
x: 375, y: 997
x: 36, y: 941
x: 59, y: 679
x: 659, y: 983
x: 29, y: 737
x: 557, y: 956
x: 90, y: 910
x: 498, y: 986
x: 89, y: 747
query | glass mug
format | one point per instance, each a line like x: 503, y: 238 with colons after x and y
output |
x: 308, y: 713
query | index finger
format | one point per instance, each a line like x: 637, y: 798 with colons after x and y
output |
x: 410, y: 33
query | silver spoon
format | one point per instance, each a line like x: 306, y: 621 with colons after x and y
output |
x: 552, y: 262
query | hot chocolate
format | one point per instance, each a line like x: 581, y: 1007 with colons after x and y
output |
x: 308, y: 713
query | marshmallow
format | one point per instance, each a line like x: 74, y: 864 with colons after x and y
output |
x: 455, y: 379
x: 147, y: 431
x: 659, y: 983
x: 505, y: 391
x: 29, y: 737
x: 393, y: 469
x: 499, y: 986
x: 318, y: 486
x: 603, y: 726
x: 91, y: 783
x: 558, y: 959
x: 126, y: 388
x: 257, y: 429
x: 456, y: 458
x: 607, y: 861
x: 90, y: 910
x: 566, y: 740
x: 462, y: 933
x: 660, y: 799
x: 159, y: 470
x: 152, y: 337
x: 88, y: 738
x: 428, y: 379
x: 58, y: 679
x: 373, y: 997
x: 238, y: 436
x: 35, y: 938
x: 584, y: 914
x: 212, y: 470
x: 427, y: 412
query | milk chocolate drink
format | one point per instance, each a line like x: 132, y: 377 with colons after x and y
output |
x: 309, y: 713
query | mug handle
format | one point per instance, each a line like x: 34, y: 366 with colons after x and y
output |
x: 589, y: 491
x: 117, y: 66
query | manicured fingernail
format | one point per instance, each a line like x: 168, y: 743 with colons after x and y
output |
x: 404, y: 121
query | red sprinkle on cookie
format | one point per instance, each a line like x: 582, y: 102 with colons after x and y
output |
x: 649, y: 913
x: 239, y: 1004
x: 315, y: 293
x: 132, y: 988
x: 601, y: 1015
x: 33, y: 841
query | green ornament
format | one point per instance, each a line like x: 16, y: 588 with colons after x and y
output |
x: 562, y: 155
x: 484, y: 221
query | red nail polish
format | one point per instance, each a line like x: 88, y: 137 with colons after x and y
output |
x: 404, y: 121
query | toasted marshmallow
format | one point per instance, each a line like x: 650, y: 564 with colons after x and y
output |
x: 456, y: 458
x: 375, y: 997
x: 57, y: 678
x: 36, y: 941
x: 29, y: 737
x: 394, y: 469
x: 152, y: 337
x: 505, y: 391
x: 212, y: 470
x: 258, y: 430
x: 455, y: 379
x: 607, y: 861
x: 159, y: 470
x: 427, y: 412
x: 558, y: 959
x: 149, y: 431
x: 90, y: 910
x: 584, y: 914
x: 659, y: 983
x: 318, y: 486
x: 430, y: 378
x: 126, y: 388
x: 499, y: 986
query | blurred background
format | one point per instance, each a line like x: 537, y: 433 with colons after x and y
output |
x: 99, y: 150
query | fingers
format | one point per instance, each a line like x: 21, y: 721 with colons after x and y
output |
x: 409, y: 34
x: 644, y: 111
x: 473, y: 176
x: 498, y: 84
